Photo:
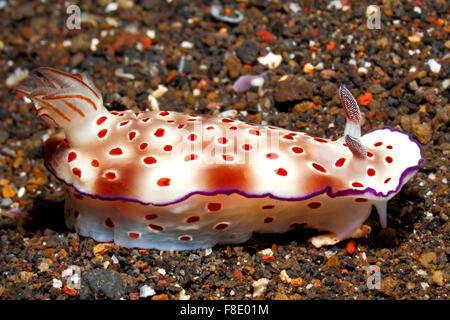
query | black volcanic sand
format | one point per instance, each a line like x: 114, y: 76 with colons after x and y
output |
x: 399, y: 73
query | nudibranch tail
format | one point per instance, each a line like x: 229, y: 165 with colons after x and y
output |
x: 64, y: 100
x: 352, y: 131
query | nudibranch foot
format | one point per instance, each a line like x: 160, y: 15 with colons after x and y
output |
x: 203, y: 221
x: 168, y: 180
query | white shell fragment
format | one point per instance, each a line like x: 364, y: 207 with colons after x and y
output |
x: 271, y: 60
x: 146, y: 291
x: 259, y: 287
x: 16, y: 77
x: 216, y: 13
x: 434, y: 65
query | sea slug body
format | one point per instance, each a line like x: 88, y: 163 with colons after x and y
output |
x: 167, y: 180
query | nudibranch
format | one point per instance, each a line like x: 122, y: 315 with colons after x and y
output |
x: 168, y: 180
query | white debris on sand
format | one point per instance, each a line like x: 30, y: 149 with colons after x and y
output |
x: 16, y: 77
x: 146, y: 291
x: 57, y: 284
x: 434, y: 65
x: 259, y: 287
x: 284, y: 276
x: 271, y: 60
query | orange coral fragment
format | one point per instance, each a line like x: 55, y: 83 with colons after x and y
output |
x: 330, y: 46
x: 350, y: 248
x: 69, y: 291
x: 365, y: 99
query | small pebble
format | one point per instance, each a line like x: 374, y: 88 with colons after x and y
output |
x: 335, y: 4
x: 438, y: 278
x: 111, y: 7
x: 259, y: 287
x: 182, y: 295
x: 146, y: 291
x: 57, y: 283
x: 119, y: 73
x: 16, y: 77
x: 271, y: 60
x: 434, y: 66
x: 187, y: 45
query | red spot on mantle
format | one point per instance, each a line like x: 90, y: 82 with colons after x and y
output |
x: 268, y: 219
x: 131, y: 135
x: 77, y: 172
x: 167, y: 147
x: 314, y: 205
x: 192, y: 137
x: 320, y: 140
x: 254, y: 132
x: 134, y: 235
x: 143, y: 145
x: 213, y: 206
x: 110, y: 175
x: 190, y: 157
x: 297, y: 150
x: 101, y: 120
x: 159, y: 132
x: 102, y: 133
x: 192, y: 219
x: 272, y: 155
x: 281, y: 172
x: 115, y: 152
x: 155, y: 227
x: 163, y: 182
x: 222, y: 140
x: 318, y: 167
x: 340, y: 162
x: 109, y: 223
x: 227, y: 157
x: 71, y: 157
x: 95, y: 163
x: 185, y: 238
x: 357, y: 185
x: 221, y: 226
x: 150, y: 160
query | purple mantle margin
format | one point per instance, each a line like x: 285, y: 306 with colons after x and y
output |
x: 327, y: 189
